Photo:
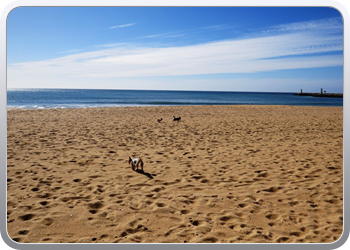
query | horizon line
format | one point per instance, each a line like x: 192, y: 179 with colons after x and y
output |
x: 183, y: 90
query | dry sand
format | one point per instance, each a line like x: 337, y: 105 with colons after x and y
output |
x: 221, y: 174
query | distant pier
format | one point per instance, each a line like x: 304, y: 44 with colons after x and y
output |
x: 321, y: 94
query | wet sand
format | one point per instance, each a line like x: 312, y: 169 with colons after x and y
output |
x: 238, y: 174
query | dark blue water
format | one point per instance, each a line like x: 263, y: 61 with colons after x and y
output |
x: 86, y: 98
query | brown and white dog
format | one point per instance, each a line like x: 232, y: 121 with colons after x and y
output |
x: 134, y: 163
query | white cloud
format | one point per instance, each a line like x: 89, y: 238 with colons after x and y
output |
x: 69, y: 51
x: 300, y: 47
x: 329, y: 25
x: 122, y: 26
x: 165, y: 35
x: 151, y: 36
x: 109, y: 45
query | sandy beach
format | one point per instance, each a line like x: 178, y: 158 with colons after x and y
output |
x: 222, y: 174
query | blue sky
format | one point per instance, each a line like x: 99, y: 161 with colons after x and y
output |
x: 176, y: 48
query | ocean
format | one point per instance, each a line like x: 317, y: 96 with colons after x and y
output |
x: 90, y: 98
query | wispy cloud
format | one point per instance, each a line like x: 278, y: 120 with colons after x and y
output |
x: 187, y: 32
x: 69, y: 51
x: 165, y: 35
x: 214, y: 27
x: 329, y: 26
x: 122, y: 26
x: 219, y: 27
x: 109, y: 45
x: 305, y: 45
x: 152, y: 36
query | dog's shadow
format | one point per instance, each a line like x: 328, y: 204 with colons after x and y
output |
x: 144, y: 173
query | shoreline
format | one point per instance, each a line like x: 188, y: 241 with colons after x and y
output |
x: 201, y: 105
x: 224, y: 174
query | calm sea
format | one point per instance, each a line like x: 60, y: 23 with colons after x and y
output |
x: 87, y: 98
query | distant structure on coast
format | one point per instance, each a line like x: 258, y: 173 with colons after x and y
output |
x: 321, y: 94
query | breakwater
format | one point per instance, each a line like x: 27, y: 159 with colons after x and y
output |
x: 334, y: 95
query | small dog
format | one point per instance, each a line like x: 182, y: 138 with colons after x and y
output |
x: 134, y: 163
x: 177, y: 118
x: 160, y: 119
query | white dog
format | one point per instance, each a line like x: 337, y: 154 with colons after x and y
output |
x: 134, y: 163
